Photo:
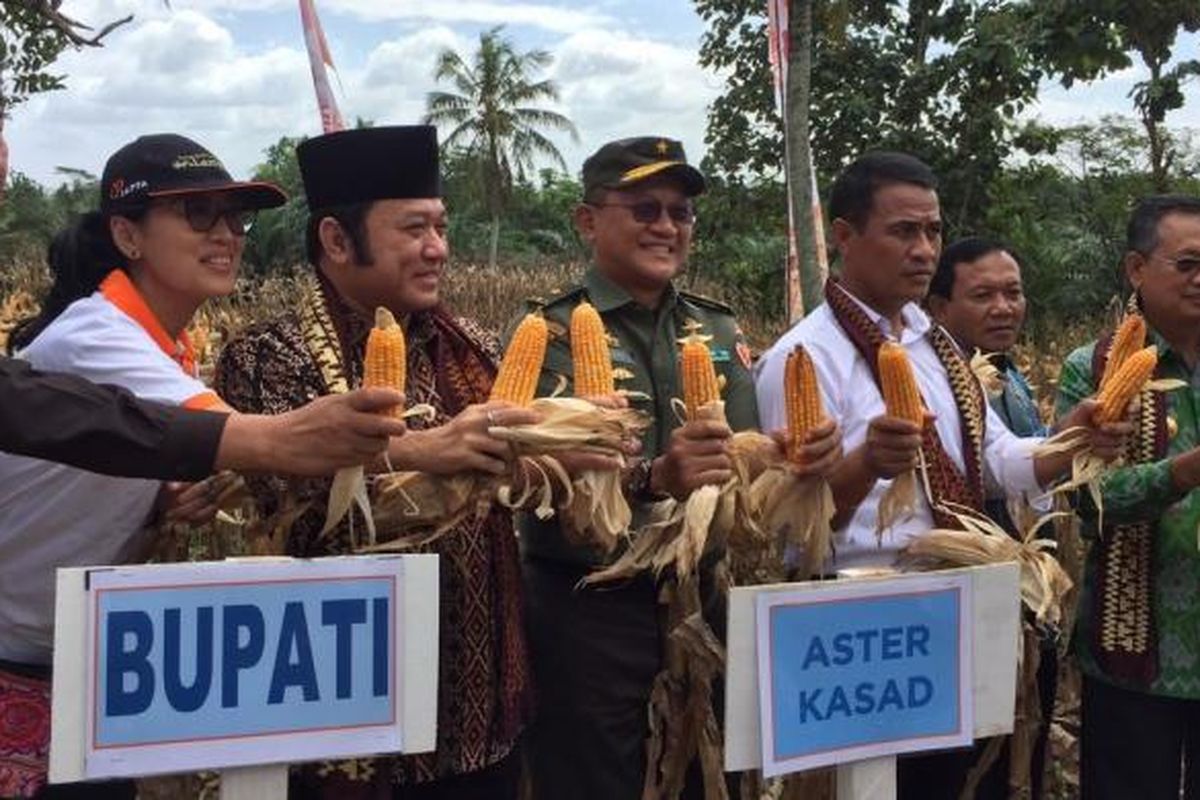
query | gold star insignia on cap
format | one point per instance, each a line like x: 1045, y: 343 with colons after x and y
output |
x: 662, y: 147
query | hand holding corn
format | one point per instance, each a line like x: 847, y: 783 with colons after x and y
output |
x: 463, y: 444
x: 1105, y: 438
x: 696, y: 456
x: 817, y: 453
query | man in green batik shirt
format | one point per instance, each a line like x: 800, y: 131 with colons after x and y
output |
x: 1141, y: 705
x: 596, y: 650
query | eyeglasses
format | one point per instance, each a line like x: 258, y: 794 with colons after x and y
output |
x: 647, y: 212
x: 1184, y: 265
x: 202, y: 212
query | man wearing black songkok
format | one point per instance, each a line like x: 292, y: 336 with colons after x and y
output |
x: 377, y: 237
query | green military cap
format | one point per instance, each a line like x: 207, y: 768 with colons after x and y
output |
x: 620, y: 164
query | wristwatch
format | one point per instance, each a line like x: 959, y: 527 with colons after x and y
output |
x: 638, y: 483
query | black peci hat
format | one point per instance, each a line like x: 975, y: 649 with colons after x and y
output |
x: 365, y: 164
x: 166, y: 165
x: 620, y: 164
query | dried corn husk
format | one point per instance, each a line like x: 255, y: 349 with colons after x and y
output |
x: 1044, y: 584
x: 899, y: 500
x: 679, y: 532
x: 350, y: 489
x: 986, y: 373
x: 415, y: 507
x: 1087, y: 469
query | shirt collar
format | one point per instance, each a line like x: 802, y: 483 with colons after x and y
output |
x: 1166, y: 353
x: 606, y: 295
x: 118, y: 289
x: 916, y: 321
x: 352, y: 326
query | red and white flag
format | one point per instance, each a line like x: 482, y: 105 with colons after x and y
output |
x: 318, y: 59
x: 779, y: 48
x: 3, y: 160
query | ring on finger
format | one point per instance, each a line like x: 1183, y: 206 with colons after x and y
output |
x: 491, y: 418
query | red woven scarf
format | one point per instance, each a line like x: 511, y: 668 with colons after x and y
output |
x: 1120, y: 611
x: 947, y: 482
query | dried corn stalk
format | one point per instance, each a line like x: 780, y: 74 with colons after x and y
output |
x: 1044, y: 587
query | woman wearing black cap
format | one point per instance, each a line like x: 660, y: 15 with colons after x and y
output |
x: 168, y: 235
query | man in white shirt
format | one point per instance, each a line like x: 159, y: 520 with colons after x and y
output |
x: 887, y: 228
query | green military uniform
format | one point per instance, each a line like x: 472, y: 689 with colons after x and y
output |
x: 647, y: 347
x: 596, y: 651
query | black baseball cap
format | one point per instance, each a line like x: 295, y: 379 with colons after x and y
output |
x: 625, y: 162
x: 393, y: 162
x: 167, y: 165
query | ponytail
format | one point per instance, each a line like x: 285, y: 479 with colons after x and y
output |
x: 79, y: 257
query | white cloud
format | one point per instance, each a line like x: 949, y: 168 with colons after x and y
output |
x: 547, y: 16
x: 616, y: 85
x: 181, y: 72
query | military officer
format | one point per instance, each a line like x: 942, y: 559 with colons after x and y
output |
x: 596, y: 651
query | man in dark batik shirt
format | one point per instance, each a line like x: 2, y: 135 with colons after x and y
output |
x: 376, y: 237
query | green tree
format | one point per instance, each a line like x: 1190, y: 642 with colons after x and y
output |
x: 940, y: 78
x: 33, y: 33
x: 1065, y: 213
x: 276, y: 240
x: 1083, y: 41
x: 493, y: 117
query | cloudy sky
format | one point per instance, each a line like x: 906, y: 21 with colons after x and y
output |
x: 234, y: 75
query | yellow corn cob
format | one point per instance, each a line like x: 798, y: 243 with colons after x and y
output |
x: 1125, y: 384
x: 589, y: 353
x: 700, y: 385
x: 899, y: 386
x: 385, y: 362
x: 517, y: 379
x: 803, y: 396
x: 1129, y: 338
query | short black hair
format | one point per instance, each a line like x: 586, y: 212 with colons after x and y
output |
x: 853, y: 192
x: 964, y: 251
x: 1142, y: 234
x: 353, y: 219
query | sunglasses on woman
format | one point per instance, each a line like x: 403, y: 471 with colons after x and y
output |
x: 202, y: 212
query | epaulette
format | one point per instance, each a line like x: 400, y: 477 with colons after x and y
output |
x: 706, y: 302
x: 575, y: 292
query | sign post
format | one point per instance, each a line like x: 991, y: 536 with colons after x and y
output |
x: 851, y: 673
x: 235, y: 665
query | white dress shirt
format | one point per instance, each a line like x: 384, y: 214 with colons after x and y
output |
x: 851, y: 395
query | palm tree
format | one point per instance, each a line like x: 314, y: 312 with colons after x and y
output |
x: 493, y: 116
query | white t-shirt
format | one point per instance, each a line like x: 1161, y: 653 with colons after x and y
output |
x: 57, y: 516
x: 851, y: 395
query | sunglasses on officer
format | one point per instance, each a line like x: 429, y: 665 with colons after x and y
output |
x: 647, y: 212
x: 202, y: 211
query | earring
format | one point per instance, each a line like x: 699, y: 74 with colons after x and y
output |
x: 133, y: 254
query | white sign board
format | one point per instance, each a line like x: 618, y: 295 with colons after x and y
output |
x: 993, y: 616
x: 860, y: 669
x: 181, y: 667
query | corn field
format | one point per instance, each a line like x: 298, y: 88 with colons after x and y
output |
x: 493, y: 297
